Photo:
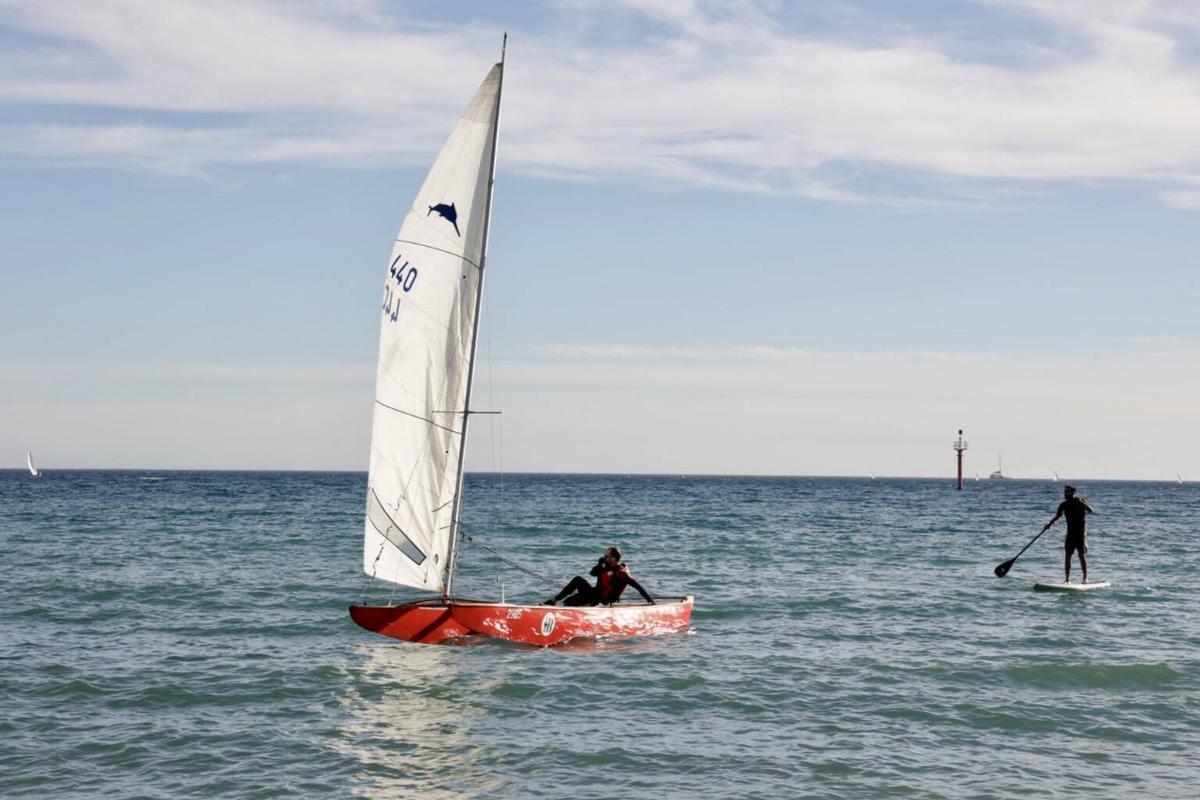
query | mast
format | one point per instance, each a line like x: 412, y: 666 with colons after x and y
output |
x: 466, y: 411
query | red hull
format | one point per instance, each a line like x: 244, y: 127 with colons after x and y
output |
x: 434, y: 621
x: 428, y: 622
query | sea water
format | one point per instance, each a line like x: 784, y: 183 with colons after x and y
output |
x: 184, y: 634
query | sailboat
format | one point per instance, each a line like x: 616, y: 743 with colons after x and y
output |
x: 33, y: 470
x: 430, y: 314
x: 999, y: 473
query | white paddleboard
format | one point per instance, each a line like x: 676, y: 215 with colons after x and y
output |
x: 1070, y: 587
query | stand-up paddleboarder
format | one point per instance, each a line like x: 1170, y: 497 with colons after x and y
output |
x: 1075, y: 509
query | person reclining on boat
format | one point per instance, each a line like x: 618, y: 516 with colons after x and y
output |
x: 611, y: 579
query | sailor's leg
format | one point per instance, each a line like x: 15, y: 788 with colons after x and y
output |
x: 581, y: 598
x: 1067, y: 568
x: 1083, y: 562
x: 578, y: 585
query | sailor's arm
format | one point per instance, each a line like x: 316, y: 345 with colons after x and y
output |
x: 1085, y: 505
x: 1057, y: 514
x: 632, y: 582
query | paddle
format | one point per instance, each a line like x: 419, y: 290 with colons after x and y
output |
x: 1003, y: 569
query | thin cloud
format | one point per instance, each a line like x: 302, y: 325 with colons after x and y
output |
x: 742, y: 353
x: 719, y: 410
x: 1188, y: 200
x: 159, y: 371
x: 694, y: 95
x: 646, y: 410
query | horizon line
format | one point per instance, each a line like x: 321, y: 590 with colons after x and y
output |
x: 549, y: 473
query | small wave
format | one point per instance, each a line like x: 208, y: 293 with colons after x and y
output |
x: 33, y: 612
x: 832, y: 768
x: 709, y: 613
x: 910, y: 714
x: 986, y: 718
x: 1096, y: 676
x: 70, y: 689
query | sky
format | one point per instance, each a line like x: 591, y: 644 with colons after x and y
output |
x: 749, y: 237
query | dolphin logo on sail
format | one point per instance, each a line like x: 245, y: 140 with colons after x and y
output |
x: 447, y: 213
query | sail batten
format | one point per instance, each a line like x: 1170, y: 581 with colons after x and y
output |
x: 440, y: 250
x: 423, y: 419
x: 427, y: 333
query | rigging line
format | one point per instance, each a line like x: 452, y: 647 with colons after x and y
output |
x: 374, y: 568
x: 440, y: 250
x: 501, y: 426
x: 506, y: 560
x: 418, y: 416
x: 498, y: 509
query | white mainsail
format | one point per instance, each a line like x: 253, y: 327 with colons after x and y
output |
x: 426, y: 347
x: 33, y: 470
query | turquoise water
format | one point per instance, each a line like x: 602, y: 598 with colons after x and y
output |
x: 185, y: 635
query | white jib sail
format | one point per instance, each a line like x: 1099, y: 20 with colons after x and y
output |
x: 425, y: 347
x: 33, y: 470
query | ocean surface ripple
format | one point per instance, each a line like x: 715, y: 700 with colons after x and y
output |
x: 184, y: 634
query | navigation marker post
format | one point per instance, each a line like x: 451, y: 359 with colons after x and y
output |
x: 959, y: 447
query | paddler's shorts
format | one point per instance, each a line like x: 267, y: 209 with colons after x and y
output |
x: 1076, y: 541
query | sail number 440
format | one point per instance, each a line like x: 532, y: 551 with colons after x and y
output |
x: 404, y: 276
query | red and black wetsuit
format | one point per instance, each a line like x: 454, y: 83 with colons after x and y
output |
x: 610, y: 583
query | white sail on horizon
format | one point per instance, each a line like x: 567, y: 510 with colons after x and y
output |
x: 33, y: 470
x: 427, y: 330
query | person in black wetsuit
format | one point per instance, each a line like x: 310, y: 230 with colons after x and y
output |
x: 611, y: 579
x: 1075, y: 509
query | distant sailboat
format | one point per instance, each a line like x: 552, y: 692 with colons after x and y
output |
x: 999, y: 473
x: 1178, y: 477
x: 1056, y: 477
x: 33, y: 470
